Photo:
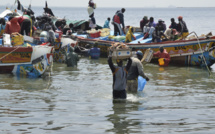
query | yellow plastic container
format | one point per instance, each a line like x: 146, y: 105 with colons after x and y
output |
x: 17, y: 39
x: 161, y: 61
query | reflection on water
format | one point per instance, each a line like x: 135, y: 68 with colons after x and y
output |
x: 79, y: 100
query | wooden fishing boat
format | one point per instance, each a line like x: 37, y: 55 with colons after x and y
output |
x: 191, y: 52
x: 33, y: 61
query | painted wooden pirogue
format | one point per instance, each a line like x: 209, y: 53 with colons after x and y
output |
x: 35, y: 61
x: 182, y: 52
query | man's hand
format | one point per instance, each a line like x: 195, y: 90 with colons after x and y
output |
x: 147, y: 79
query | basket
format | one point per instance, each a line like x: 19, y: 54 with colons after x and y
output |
x: 120, y: 51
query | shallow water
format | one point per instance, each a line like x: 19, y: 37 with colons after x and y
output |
x: 79, y: 100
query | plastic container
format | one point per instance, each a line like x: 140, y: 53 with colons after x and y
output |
x: 141, y: 83
x: 161, y: 61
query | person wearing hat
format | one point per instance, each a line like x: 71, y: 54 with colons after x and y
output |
x: 162, y: 54
x: 135, y: 70
x: 143, y: 22
x: 118, y: 19
x: 119, y: 77
x: 182, y: 28
x: 95, y: 51
x: 161, y: 25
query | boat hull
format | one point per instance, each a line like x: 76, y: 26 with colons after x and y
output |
x: 182, y: 53
x: 26, y: 61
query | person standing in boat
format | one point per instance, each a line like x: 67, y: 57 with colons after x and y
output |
x: 107, y: 22
x: 149, y: 28
x: 182, y: 27
x: 143, y: 22
x: 2, y: 26
x: 164, y: 57
x: 130, y: 35
x: 135, y: 70
x: 91, y: 7
x: 119, y: 77
x: 118, y: 19
x: 25, y: 24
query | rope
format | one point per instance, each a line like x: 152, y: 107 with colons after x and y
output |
x: 9, y: 53
x: 202, y: 54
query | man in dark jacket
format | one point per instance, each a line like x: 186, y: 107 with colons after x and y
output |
x: 118, y: 19
x: 135, y: 70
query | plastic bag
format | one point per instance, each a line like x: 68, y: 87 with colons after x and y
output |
x: 141, y: 83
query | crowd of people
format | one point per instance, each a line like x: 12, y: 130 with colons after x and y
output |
x: 124, y: 77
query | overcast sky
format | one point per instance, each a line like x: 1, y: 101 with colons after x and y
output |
x: 116, y: 3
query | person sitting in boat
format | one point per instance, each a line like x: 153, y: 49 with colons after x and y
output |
x: 173, y: 24
x: 12, y: 26
x: 182, y: 28
x: 107, y: 22
x: 143, y: 22
x: 149, y: 28
x: 2, y: 26
x: 164, y: 57
x: 161, y: 25
x: 130, y: 35
x: 171, y: 34
x: 119, y: 77
x: 157, y: 35
x: 70, y: 31
x: 118, y: 19
x: 71, y: 58
x: 135, y: 70
x: 95, y: 51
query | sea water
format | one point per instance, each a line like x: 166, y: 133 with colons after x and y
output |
x: 79, y: 100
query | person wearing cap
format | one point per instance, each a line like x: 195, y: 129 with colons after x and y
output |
x: 130, y: 35
x: 135, y: 70
x: 182, y: 28
x: 143, y: 22
x: 162, y: 53
x: 95, y: 51
x: 119, y: 77
x: 149, y: 28
x: 118, y: 19
x: 161, y: 25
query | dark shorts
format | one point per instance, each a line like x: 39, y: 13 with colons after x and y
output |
x: 121, y: 94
